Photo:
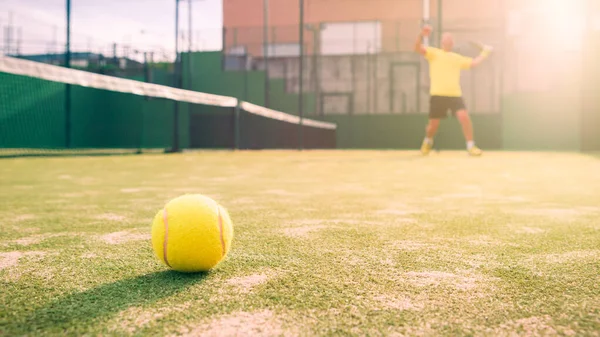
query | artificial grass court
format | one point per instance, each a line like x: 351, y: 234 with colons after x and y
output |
x: 325, y: 243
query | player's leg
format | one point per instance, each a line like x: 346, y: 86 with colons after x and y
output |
x: 430, y: 132
x: 437, y: 110
x: 432, y: 127
x: 467, y: 127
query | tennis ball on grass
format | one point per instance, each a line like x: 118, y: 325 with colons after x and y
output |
x: 192, y: 233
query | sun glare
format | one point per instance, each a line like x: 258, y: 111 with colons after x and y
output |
x: 563, y: 22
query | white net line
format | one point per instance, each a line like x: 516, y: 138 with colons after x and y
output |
x: 280, y: 116
x: 85, y: 79
x: 54, y: 73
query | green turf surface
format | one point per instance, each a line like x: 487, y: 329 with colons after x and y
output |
x: 326, y: 243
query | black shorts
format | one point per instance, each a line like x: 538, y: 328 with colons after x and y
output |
x: 440, y: 105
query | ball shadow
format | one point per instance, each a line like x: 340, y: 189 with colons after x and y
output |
x: 107, y: 300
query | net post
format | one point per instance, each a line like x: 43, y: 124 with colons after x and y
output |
x: 236, y: 125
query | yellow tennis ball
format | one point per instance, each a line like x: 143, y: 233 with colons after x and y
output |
x: 192, y: 233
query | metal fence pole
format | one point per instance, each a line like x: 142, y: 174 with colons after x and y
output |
x: 236, y: 125
x: 146, y: 98
x: 224, y: 50
x: 68, y: 139
x: 426, y: 18
x: 273, y: 39
x: 418, y: 87
x: 473, y: 92
x: 190, y: 35
x: 266, y: 49
x: 317, y: 69
x: 353, y: 88
x: 301, y: 79
x: 189, y: 72
x: 177, y: 81
x: 245, y: 94
x: 368, y: 74
x: 397, y: 36
x: 440, y: 23
x: 375, y: 70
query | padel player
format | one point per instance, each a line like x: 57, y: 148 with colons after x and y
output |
x: 446, y: 95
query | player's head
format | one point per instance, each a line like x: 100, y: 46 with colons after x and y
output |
x: 447, y: 41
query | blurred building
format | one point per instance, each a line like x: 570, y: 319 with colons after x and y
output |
x: 347, y: 26
x: 358, y: 54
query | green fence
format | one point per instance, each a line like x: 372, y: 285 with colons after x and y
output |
x: 563, y: 119
x: 206, y: 73
x: 590, y: 120
x: 32, y: 114
x: 379, y: 95
x: 406, y: 132
x: 542, y: 121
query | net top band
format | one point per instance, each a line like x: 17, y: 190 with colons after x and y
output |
x: 82, y: 78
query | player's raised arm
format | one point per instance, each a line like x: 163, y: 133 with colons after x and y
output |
x: 485, y: 53
x: 419, y: 46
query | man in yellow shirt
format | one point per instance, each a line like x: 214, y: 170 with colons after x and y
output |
x: 446, y: 94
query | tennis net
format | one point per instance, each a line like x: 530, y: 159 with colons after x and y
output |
x: 46, y: 109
